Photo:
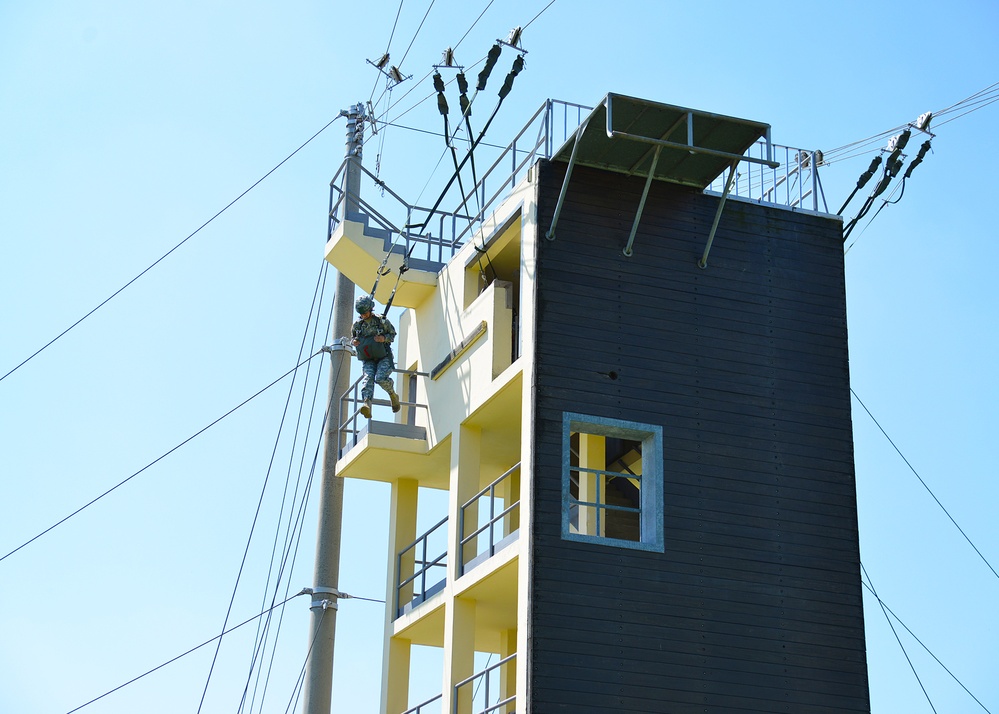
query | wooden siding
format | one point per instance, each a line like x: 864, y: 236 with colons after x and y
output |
x: 756, y: 603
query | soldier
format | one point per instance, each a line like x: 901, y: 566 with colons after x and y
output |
x: 373, y: 336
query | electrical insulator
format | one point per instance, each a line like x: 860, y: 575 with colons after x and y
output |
x: 919, y: 158
x: 494, y: 53
x: 898, y: 142
x: 866, y: 176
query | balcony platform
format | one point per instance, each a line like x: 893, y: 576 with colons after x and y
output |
x: 357, y: 250
x: 387, y: 451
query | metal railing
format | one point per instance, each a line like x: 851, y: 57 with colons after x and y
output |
x: 351, y: 403
x: 419, y: 708
x: 794, y: 183
x: 420, y: 244
x: 435, y: 235
x: 485, y: 689
x: 421, y: 570
x: 504, y: 521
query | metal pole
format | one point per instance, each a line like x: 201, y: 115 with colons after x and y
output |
x: 318, y: 686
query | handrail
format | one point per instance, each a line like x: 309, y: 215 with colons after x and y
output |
x: 350, y: 404
x: 795, y: 183
x: 419, y: 707
x: 494, y: 518
x: 453, y: 226
x: 419, y: 573
x: 756, y: 179
x: 484, y: 673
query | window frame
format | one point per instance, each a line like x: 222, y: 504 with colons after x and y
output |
x: 651, y: 498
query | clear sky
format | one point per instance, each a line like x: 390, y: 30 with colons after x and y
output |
x: 127, y: 125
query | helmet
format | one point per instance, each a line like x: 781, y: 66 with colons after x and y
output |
x: 364, y: 304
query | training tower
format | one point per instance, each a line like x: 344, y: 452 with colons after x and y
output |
x: 622, y: 478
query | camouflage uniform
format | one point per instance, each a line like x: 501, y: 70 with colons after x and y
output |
x: 376, y: 371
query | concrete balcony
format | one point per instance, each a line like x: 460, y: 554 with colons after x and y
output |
x: 358, y: 250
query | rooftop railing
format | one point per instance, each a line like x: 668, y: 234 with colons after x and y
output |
x: 794, y: 183
x: 435, y: 234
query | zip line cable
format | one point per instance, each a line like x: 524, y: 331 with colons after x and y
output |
x: 260, y: 643
x: 518, y: 65
x: 884, y: 606
x: 472, y: 26
x: 436, y: 133
x: 294, y: 526
x: 453, y: 47
x: 314, y: 310
x: 928, y: 490
x: 253, y: 525
x: 157, y: 460
x: 417, y: 33
x: 388, y: 88
x: 386, y: 122
x: 165, y: 255
x: 974, y: 97
x: 542, y: 12
x: 981, y: 106
x: 899, y: 640
x: 388, y: 46
x: 300, y: 682
x: 978, y: 100
x: 184, y: 654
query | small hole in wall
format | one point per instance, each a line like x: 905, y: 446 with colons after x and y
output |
x: 612, y: 375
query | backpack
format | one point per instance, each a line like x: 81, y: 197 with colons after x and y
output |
x: 368, y: 349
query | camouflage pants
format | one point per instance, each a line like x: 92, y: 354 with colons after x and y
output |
x: 377, y: 371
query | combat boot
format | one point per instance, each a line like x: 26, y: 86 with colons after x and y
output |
x: 395, y: 401
x: 366, y: 409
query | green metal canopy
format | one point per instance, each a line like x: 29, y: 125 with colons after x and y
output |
x: 661, y: 142
x: 623, y: 133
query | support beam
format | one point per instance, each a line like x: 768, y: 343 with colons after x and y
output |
x: 459, y: 655
x: 402, y: 532
x: 703, y: 262
x: 641, y: 204
x: 550, y: 235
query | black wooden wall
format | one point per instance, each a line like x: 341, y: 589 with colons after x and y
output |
x: 756, y: 604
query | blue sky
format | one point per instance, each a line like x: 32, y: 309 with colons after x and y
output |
x: 128, y: 125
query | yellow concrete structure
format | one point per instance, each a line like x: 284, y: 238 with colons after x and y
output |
x: 463, y: 345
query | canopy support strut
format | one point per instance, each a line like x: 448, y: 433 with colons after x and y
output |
x: 641, y: 204
x: 550, y: 235
x: 703, y: 262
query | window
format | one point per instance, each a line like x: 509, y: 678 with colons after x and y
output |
x: 612, y: 482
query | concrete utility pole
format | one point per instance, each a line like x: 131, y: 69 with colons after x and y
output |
x: 322, y: 623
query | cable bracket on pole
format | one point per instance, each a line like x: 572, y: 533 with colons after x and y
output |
x: 327, y: 603
x: 342, y: 344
